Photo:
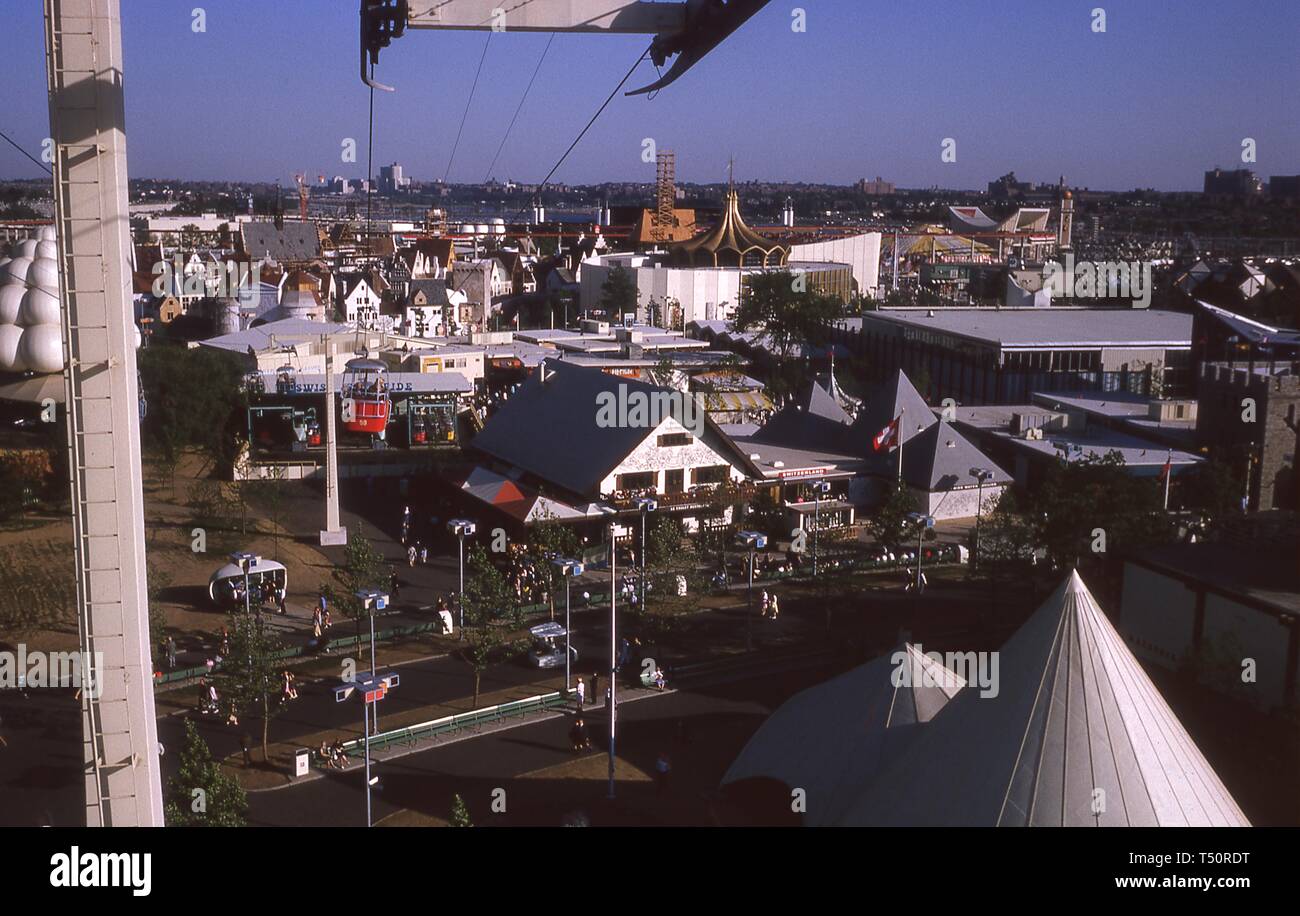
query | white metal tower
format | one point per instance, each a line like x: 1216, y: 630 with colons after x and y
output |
x: 87, y: 124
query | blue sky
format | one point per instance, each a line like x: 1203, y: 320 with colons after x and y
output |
x: 871, y: 88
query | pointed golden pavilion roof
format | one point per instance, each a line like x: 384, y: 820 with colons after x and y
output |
x: 730, y: 243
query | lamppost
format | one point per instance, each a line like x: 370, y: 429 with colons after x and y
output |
x: 980, y: 475
x: 752, y: 541
x: 613, y: 648
x: 462, y: 528
x: 568, y: 569
x: 820, y: 488
x: 923, y: 523
x: 373, y: 687
x: 646, y: 505
x: 372, y: 599
x: 245, y: 561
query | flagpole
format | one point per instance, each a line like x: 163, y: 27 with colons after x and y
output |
x: 901, y: 411
x: 1169, y: 472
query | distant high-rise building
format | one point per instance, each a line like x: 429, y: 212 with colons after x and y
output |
x: 391, y: 180
x: 1235, y: 183
x: 877, y: 188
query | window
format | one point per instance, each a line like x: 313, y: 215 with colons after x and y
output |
x: 716, y: 474
x: 674, y: 481
x: 669, y: 440
x: 644, y: 480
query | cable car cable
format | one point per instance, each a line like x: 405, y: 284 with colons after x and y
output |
x: 582, y: 133
x: 25, y: 153
x: 468, y: 101
x: 524, y: 98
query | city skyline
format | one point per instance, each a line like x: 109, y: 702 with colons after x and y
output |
x: 885, y: 109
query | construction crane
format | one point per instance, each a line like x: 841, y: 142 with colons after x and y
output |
x: 688, y: 29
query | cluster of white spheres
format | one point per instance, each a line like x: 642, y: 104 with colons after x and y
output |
x: 31, y: 331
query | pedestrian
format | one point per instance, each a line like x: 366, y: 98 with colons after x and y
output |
x: 595, y: 685
x: 281, y: 606
x: 581, y: 691
x: 171, y: 653
x: 325, y: 621
x: 225, y: 643
x: 424, y: 555
x: 766, y: 604
x: 394, y: 585
x: 663, y: 769
x: 578, y: 736
x: 776, y: 608
x: 410, y: 555
x: 246, y: 744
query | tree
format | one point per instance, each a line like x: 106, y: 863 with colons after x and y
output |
x: 548, y: 540
x: 363, y: 568
x: 889, y: 524
x: 779, y: 304
x: 618, y: 294
x: 200, y: 795
x: 195, y: 399
x: 487, y: 593
x: 478, y: 653
x: 250, y: 674
x: 459, y: 813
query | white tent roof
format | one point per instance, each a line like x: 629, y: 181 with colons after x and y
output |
x: 833, y: 739
x: 1074, y: 714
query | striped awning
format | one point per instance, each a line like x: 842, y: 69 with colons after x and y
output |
x: 720, y: 401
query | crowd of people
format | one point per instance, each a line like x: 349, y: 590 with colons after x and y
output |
x: 333, y: 755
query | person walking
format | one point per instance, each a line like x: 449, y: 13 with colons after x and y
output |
x: 410, y: 555
x: 595, y: 685
x: 766, y: 604
x: 776, y: 608
x: 424, y: 555
x: 170, y: 648
x: 281, y: 605
x: 580, y: 690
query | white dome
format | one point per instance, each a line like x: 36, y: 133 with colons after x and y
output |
x: 44, y: 273
x: 16, y: 270
x: 46, y: 234
x: 25, y: 249
x: 9, y: 338
x: 41, y: 348
x: 11, y: 299
x: 47, y: 248
x: 39, y: 307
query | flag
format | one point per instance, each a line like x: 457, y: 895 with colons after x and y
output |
x: 1168, y: 467
x: 887, y: 438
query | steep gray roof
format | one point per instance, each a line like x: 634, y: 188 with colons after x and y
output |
x: 1074, y: 713
x: 814, y: 420
x: 940, y: 458
x: 290, y: 242
x: 548, y: 428
x: 885, y: 403
x: 435, y: 290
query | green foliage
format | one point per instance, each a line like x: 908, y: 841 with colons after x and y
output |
x: 618, y: 294
x: 224, y: 800
x: 888, y: 524
x: 550, y: 539
x: 1214, y: 486
x: 488, y: 596
x: 363, y: 567
x: 459, y: 813
x: 791, y: 319
x: 479, y: 651
x: 195, y: 400
x: 249, y: 677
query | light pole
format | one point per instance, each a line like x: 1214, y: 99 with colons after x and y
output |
x: 372, y: 599
x: 646, y: 505
x: 462, y: 528
x: 820, y: 488
x: 245, y: 561
x: 923, y: 523
x: 568, y: 569
x: 752, y: 541
x: 613, y: 648
x: 374, y: 687
x: 980, y: 475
